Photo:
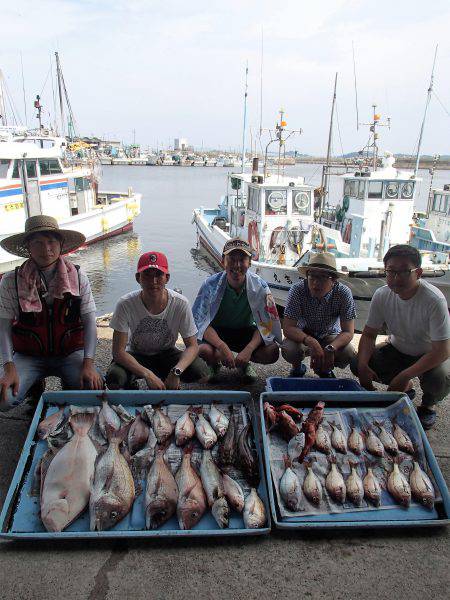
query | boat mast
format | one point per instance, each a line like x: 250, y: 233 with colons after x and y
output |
x: 3, y: 119
x: 60, y: 94
x: 245, y: 118
x: 430, y: 89
x: 325, y: 175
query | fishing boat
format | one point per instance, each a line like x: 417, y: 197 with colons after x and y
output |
x: 431, y: 231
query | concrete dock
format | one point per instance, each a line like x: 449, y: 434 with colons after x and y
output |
x: 347, y: 565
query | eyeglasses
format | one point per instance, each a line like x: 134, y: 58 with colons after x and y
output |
x: 317, y: 277
x: 404, y: 274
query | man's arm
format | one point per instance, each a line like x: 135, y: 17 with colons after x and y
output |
x: 346, y: 335
x: 245, y: 355
x: 294, y: 333
x: 365, y: 351
x: 10, y: 377
x: 439, y: 353
x: 90, y: 378
x: 226, y: 355
x: 122, y: 357
x: 187, y: 357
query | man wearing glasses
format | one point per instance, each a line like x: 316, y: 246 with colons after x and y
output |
x: 319, y: 319
x: 416, y: 315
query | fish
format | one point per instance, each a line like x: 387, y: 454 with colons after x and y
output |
x: 296, y: 445
x: 355, y: 441
x: 290, y: 488
x: 287, y: 427
x: 192, y: 503
x: 138, y: 433
x: 226, y: 448
x: 291, y: 411
x: 270, y: 415
x: 354, y: 485
x: 184, y: 429
x: 254, y: 511
x: 218, y: 420
x: 50, y: 424
x: 59, y: 437
x: 233, y: 493
x: 389, y: 442
x: 421, y: 487
x: 402, y: 438
x: 215, y: 491
x: 247, y: 457
x: 205, y: 433
x: 334, y: 482
x: 315, y: 415
x: 312, y: 488
x: 107, y: 416
x: 337, y: 439
x: 398, y: 486
x: 309, y: 429
x: 67, y: 482
x: 124, y: 415
x: 161, y: 491
x: 144, y: 458
x: 372, y: 487
x: 322, y: 441
x: 373, y: 443
x: 113, y: 491
x: 161, y: 423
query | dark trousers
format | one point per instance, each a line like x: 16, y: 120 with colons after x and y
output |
x: 118, y: 377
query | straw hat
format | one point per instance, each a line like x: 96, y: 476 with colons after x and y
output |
x: 323, y: 261
x: 17, y: 243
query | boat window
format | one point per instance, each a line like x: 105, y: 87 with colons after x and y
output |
x: 362, y: 190
x: 436, y: 202
x: 351, y: 188
x: 81, y: 184
x: 391, y: 189
x: 49, y: 166
x: 440, y: 203
x: 4, y: 164
x: 15, y: 174
x: 30, y: 166
x: 301, y: 202
x: 408, y: 190
x: 375, y: 189
x: 276, y: 202
x: 253, y: 199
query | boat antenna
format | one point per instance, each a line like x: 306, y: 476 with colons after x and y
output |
x: 436, y: 159
x: 3, y: 119
x: 374, y: 135
x: 23, y: 91
x: 325, y: 170
x: 245, y: 117
x: 356, y: 88
x: 261, y: 87
x: 430, y: 89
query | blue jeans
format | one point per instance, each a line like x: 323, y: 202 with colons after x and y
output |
x: 34, y: 368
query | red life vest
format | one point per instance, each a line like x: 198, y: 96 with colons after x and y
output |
x: 55, y: 331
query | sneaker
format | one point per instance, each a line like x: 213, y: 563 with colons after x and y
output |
x: 213, y: 373
x: 427, y: 416
x: 327, y: 375
x: 297, y: 371
x: 249, y: 374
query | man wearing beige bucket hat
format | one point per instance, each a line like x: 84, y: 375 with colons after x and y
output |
x: 47, y: 314
x: 319, y: 319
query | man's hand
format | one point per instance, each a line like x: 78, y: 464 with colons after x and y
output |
x: 226, y: 356
x: 327, y: 361
x: 172, y: 381
x: 243, y: 358
x: 90, y: 378
x: 366, y: 377
x: 400, y: 383
x: 10, y: 379
x: 317, y: 353
x: 154, y: 382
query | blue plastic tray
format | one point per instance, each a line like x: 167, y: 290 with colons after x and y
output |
x: 311, y: 384
x: 415, y: 516
x: 20, y: 519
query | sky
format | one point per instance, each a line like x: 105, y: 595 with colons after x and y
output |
x: 156, y: 70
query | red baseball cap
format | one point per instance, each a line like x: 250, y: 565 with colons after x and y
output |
x: 153, y: 260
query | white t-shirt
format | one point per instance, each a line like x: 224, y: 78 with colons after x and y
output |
x: 148, y: 333
x: 9, y: 303
x: 412, y: 324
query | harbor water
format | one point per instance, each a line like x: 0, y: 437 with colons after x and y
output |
x: 169, y: 196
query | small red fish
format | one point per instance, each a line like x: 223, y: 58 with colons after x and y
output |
x: 293, y: 412
x: 270, y: 415
x: 287, y: 427
x: 310, y: 430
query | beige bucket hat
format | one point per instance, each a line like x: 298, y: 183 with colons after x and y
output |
x: 324, y: 261
x: 17, y: 243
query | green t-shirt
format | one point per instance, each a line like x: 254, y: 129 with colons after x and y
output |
x: 234, y: 310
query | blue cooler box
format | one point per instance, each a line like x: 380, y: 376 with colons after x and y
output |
x: 311, y: 384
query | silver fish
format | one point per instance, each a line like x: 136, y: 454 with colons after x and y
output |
x: 59, y: 437
x: 113, y: 491
x: 214, y: 488
x: 218, y: 420
x: 402, y: 438
x: 354, y: 486
x: 142, y: 459
x: 335, y: 483
x: 338, y: 439
x: 322, y: 442
x: 312, y: 487
x: 296, y: 445
x: 67, y: 483
x: 233, y: 493
x: 290, y: 488
x: 421, y: 487
x: 137, y: 434
x: 192, y: 502
x: 254, y: 511
x: 50, y: 424
x: 355, y: 442
x: 398, y: 486
x: 184, y: 429
x: 373, y: 443
x: 162, y: 425
x: 205, y: 433
x: 226, y: 448
x: 372, y: 487
x: 108, y: 417
x: 124, y: 415
x: 388, y: 440
x: 161, y: 492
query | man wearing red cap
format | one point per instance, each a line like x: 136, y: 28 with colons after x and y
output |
x: 146, y: 326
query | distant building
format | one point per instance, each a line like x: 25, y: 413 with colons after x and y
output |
x: 180, y: 144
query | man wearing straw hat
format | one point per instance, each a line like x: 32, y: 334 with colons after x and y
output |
x: 47, y: 314
x: 319, y: 319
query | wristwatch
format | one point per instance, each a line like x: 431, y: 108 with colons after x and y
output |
x: 176, y: 371
x: 329, y: 348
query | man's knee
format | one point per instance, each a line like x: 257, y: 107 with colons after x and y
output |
x: 266, y: 355
x: 116, y: 377
x: 436, y: 382
x: 196, y: 371
x: 292, y: 351
x: 345, y: 356
x: 354, y: 365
